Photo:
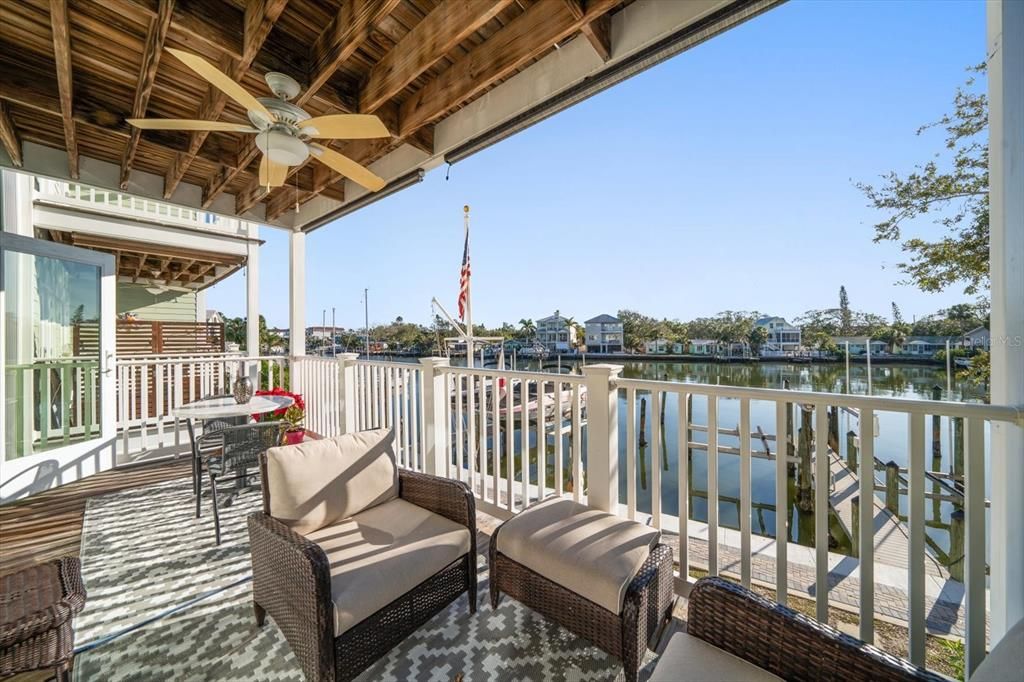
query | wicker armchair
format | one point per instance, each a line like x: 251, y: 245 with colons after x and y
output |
x: 236, y: 458
x: 403, y: 555
x: 36, y: 608
x: 775, y: 639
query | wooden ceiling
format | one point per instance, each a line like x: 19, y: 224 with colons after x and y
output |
x: 146, y: 263
x: 71, y: 71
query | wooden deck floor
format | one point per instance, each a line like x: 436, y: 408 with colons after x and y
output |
x: 49, y: 525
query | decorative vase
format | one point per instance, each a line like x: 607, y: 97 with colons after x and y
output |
x: 294, y: 437
x: 242, y: 389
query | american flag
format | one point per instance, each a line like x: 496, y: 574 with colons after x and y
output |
x: 464, y: 279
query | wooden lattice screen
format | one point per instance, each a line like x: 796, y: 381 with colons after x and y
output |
x: 146, y: 337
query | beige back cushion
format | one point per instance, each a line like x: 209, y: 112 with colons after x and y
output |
x: 319, y: 482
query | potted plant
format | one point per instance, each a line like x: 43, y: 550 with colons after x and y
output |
x: 294, y: 415
x: 296, y: 432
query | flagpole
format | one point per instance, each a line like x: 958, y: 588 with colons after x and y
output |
x: 470, y: 345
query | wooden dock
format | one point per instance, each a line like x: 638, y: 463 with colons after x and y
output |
x: 892, y: 543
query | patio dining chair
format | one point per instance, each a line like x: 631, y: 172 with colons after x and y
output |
x: 208, y: 426
x: 234, y: 457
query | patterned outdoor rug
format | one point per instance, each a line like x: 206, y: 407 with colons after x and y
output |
x: 150, y: 565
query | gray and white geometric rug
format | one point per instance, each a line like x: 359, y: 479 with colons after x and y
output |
x: 166, y: 603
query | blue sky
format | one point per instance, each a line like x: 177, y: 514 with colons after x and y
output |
x: 719, y: 180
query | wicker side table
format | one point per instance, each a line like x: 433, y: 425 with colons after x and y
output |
x: 36, y: 608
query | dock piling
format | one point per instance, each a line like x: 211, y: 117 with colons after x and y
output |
x: 851, y: 449
x: 892, y: 487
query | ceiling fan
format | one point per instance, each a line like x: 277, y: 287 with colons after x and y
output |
x: 284, y: 132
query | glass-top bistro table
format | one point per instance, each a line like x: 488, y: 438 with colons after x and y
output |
x: 223, y: 409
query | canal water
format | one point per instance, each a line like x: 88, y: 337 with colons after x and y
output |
x: 902, y: 381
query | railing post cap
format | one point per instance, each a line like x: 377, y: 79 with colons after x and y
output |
x: 347, y: 358
x: 435, y: 361
x: 602, y: 370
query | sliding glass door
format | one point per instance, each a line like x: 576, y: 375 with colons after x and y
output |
x: 58, y: 352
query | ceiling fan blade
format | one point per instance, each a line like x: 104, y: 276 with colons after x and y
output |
x: 187, y: 124
x: 220, y: 80
x: 347, y: 167
x: 272, y: 174
x: 345, y: 127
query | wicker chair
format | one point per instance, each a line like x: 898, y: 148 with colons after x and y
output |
x: 36, y: 608
x: 351, y: 555
x: 771, y: 637
x: 236, y: 459
x: 209, y: 426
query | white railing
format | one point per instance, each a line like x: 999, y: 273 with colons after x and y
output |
x: 513, y: 437
x: 55, y: 401
x: 128, y: 205
x: 150, y: 388
x: 516, y: 437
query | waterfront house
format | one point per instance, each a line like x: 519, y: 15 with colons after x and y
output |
x: 158, y: 585
x: 927, y: 346
x: 858, y: 345
x: 556, y: 334
x: 978, y: 338
x: 782, y: 336
x: 703, y: 346
x: 656, y: 346
x: 662, y: 346
x: 604, y: 334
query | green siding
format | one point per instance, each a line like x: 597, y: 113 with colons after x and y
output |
x: 166, y: 307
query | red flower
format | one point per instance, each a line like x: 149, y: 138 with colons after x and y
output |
x: 277, y: 414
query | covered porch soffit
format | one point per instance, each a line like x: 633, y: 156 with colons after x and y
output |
x: 446, y: 77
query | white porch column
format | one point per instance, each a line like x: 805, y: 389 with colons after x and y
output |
x: 348, y: 397
x: 602, y: 436
x: 297, y: 294
x: 16, y: 191
x: 16, y: 197
x: 1006, y: 223
x: 434, y: 432
x: 252, y: 301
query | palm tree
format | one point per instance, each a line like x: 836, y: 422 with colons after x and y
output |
x: 527, y: 327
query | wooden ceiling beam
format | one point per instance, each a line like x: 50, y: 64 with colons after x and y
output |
x: 260, y: 16
x: 524, y: 38
x: 62, y: 57
x: 30, y: 89
x: 155, y: 37
x: 9, y: 135
x: 145, y: 250
x: 342, y: 37
x: 430, y: 40
x: 598, y: 31
x: 197, y: 25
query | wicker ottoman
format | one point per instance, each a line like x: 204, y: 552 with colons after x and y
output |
x: 36, y: 607
x: 603, y: 577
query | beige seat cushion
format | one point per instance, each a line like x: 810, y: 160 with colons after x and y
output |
x: 380, y: 554
x: 1005, y: 663
x: 691, y: 659
x: 592, y: 553
x: 318, y: 482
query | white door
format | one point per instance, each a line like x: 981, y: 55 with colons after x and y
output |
x: 57, y: 311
